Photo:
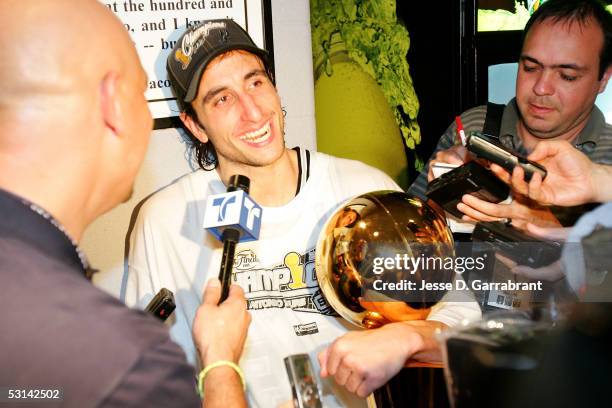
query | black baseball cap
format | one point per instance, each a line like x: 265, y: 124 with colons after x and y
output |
x: 197, y: 47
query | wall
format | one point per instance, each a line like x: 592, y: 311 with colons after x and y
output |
x: 105, y: 241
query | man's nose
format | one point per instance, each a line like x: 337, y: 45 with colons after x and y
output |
x: 250, y: 108
x: 544, y: 84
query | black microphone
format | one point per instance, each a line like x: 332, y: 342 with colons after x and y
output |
x: 232, y: 217
x: 230, y: 239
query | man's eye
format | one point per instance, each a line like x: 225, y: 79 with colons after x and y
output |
x: 221, y: 100
x: 568, y: 78
x: 528, y: 68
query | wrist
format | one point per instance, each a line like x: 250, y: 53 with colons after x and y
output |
x: 214, y: 355
x: 410, y: 341
x: 223, y: 371
x: 415, y: 343
x: 420, y: 337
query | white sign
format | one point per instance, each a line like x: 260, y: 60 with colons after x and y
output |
x: 155, y: 26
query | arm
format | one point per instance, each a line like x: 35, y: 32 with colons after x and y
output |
x: 219, y: 333
x: 223, y: 388
x: 419, y: 186
x: 362, y: 361
x: 572, y: 177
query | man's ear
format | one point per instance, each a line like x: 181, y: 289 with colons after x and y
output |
x: 194, y: 127
x: 111, y: 107
x: 605, y: 78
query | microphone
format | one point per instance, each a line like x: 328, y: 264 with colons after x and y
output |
x: 232, y: 217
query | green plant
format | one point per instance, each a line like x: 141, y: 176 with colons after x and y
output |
x: 376, y: 41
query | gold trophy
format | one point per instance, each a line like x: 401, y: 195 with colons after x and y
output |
x: 371, y: 237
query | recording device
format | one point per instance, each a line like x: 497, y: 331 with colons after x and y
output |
x: 470, y: 178
x: 522, y: 248
x: 489, y: 148
x: 162, y: 305
x: 232, y: 217
x: 303, y: 381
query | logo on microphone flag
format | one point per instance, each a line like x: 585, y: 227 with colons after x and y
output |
x: 235, y: 209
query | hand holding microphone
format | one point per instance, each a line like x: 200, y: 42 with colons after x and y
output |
x: 232, y: 217
x: 219, y: 332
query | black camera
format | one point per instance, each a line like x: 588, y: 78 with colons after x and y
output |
x: 470, y: 178
x: 487, y: 147
x: 522, y: 248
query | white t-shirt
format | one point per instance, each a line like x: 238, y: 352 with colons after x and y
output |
x: 169, y: 248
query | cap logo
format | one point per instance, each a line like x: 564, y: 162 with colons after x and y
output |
x: 182, y: 58
x: 194, y: 40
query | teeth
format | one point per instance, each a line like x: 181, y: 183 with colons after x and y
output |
x: 259, y: 135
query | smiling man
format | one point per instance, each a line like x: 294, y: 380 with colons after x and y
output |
x: 234, y: 118
x: 563, y: 66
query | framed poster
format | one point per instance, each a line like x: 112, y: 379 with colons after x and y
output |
x: 155, y: 26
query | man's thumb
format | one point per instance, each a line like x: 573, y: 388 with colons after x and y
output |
x: 212, y: 292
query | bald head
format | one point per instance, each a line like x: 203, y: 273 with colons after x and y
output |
x: 72, y: 110
x: 54, y: 49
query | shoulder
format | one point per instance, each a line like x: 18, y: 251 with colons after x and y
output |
x: 606, y: 134
x: 601, y: 152
x: 184, y: 194
x: 474, y: 118
x: 604, y: 145
x: 168, y: 196
x: 353, y: 174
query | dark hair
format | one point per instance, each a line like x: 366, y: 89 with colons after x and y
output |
x: 205, y: 154
x: 580, y: 11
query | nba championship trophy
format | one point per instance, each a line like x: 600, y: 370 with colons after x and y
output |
x: 369, y: 245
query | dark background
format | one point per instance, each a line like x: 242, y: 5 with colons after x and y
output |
x: 449, y: 59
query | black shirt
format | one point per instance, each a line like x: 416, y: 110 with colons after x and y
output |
x: 61, y: 332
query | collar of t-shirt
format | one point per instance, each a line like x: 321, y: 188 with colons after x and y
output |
x: 303, y: 158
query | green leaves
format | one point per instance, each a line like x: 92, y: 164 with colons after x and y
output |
x: 377, y: 42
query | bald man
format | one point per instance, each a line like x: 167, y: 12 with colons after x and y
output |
x: 74, y: 126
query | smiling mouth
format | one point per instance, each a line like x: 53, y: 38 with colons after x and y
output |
x: 258, y: 136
